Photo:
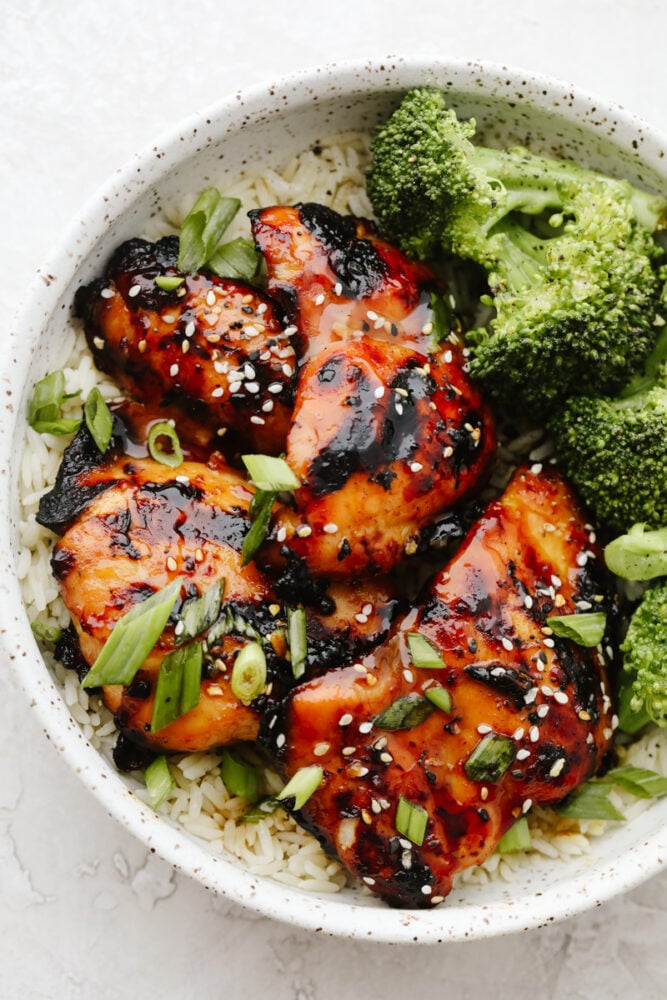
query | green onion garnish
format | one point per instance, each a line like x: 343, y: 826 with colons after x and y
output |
x: 48, y: 634
x: 263, y: 809
x: 133, y: 637
x: 199, y: 613
x: 169, y: 282
x: 516, y: 839
x: 237, y: 259
x: 178, y: 685
x: 639, y: 555
x: 297, y: 639
x: 159, y: 781
x: 260, y: 513
x: 239, y: 778
x: 424, y: 655
x: 440, y: 697
x: 203, y: 227
x: 490, y: 758
x: 249, y: 673
x: 269, y: 473
x: 301, y: 786
x: 98, y: 419
x: 405, y: 713
x: 411, y: 821
x: 164, y: 446
x: 639, y: 781
x: 584, y: 629
x: 591, y: 801
x: 45, y: 410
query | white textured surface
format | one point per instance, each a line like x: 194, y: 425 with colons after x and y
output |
x: 84, y: 910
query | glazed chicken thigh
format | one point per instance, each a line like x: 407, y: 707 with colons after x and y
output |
x: 526, y: 717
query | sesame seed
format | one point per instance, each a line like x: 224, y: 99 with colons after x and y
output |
x: 518, y: 734
x: 365, y: 727
x: 379, y: 392
x: 221, y: 367
x: 251, y: 331
x: 557, y: 767
x: 173, y: 371
x: 549, y: 643
x: 134, y: 290
x: 427, y: 890
x: 543, y: 711
x: 416, y: 467
x: 437, y: 899
x: 275, y: 388
x: 547, y: 631
x: 234, y: 387
x: 217, y: 392
x: 267, y: 407
x: 319, y: 299
x: 360, y: 668
x: 507, y: 644
x: 536, y: 469
x: 530, y: 696
x: 448, y: 452
x: 107, y: 293
x: 368, y: 880
x: 526, y: 805
x: 98, y: 342
x: 320, y: 749
x: 361, y: 618
x: 367, y: 609
x: 484, y: 793
x: 386, y: 758
x: 561, y: 697
x: 376, y: 807
x: 199, y: 555
x: 483, y: 729
x: 172, y: 565
x: 345, y: 720
x: 556, y: 582
x: 582, y: 559
x: 348, y: 751
x: 528, y: 601
x: 261, y: 308
x: 427, y: 328
x: 372, y: 315
x: 584, y: 715
x: 408, y: 675
x: 380, y: 744
x: 281, y: 534
x: 168, y: 318
x: 185, y: 346
x: 252, y: 387
x: 190, y: 329
x: 533, y: 734
x: 330, y: 528
x: 303, y: 531
x: 179, y: 628
x: 280, y: 740
x: 257, y: 420
x: 338, y: 288
x: 448, y: 357
x: 523, y: 754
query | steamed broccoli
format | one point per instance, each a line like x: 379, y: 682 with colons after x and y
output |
x: 615, y: 450
x: 643, y: 694
x: 569, y: 254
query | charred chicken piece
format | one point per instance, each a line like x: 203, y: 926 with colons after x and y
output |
x: 213, y: 348
x: 413, y: 794
x: 131, y: 526
x: 384, y: 440
x: 338, y: 279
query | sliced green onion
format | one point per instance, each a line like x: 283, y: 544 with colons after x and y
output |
x: 164, y: 446
x: 440, y: 697
x: 133, y: 637
x: 301, y: 786
x: 297, y: 640
x: 516, y: 839
x: 232, y: 621
x: 260, y: 512
x: 591, y: 801
x: 169, y: 282
x: 259, y: 812
x: 405, y: 713
x: 159, y: 781
x: 203, y: 227
x: 491, y: 758
x: 239, y: 778
x: 639, y: 781
x: 411, y: 821
x: 584, y: 629
x: 98, y: 419
x: 269, y: 473
x: 237, y: 259
x: 48, y: 634
x: 199, y: 613
x: 249, y: 673
x: 639, y: 555
x: 424, y: 655
x: 178, y: 685
x: 45, y: 410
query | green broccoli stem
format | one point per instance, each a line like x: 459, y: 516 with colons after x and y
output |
x: 636, y: 389
x: 522, y: 255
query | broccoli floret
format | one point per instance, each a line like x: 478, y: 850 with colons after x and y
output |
x: 643, y: 695
x: 615, y: 450
x: 568, y: 253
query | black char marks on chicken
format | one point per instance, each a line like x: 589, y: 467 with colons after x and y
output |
x: 214, y: 349
x: 509, y: 683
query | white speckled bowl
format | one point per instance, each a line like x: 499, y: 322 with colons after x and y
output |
x: 265, y: 126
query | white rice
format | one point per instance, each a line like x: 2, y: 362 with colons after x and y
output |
x: 199, y: 802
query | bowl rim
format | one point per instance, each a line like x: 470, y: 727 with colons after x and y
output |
x: 334, y: 916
